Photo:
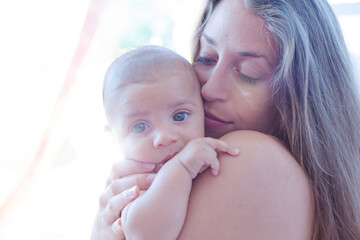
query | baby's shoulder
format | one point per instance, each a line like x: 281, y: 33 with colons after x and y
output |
x: 261, y: 192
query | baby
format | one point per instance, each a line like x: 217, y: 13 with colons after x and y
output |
x: 154, y: 110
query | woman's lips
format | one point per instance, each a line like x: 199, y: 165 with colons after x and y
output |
x: 211, y: 121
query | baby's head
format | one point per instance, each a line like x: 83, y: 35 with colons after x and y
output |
x: 152, y: 103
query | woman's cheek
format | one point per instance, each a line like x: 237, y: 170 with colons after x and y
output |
x: 255, y: 104
x: 252, y: 95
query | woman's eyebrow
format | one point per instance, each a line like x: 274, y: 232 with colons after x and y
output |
x: 249, y: 54
x: 254, y: 55
x: 239, y: 53
x: 209, y: 39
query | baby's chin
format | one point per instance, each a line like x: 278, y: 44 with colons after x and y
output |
x: 158, y: 166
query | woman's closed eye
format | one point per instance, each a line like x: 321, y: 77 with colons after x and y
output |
x: 248, y: 79
x: 205, y: 60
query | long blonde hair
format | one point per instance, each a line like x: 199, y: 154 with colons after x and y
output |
x: 315, y: 92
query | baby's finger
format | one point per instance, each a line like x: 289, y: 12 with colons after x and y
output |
x: 215, y: 167
x: 128, y: 167
x: 117, y: 203
x: 203, y: 168
x: 222, y: 146
x: 143, y: 181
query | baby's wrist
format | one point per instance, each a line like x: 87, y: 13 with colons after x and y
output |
x: 187, y: 169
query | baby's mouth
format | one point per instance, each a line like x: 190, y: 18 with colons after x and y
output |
x: 162, y: 163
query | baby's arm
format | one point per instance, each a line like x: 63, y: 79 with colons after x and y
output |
x: 160, y: 212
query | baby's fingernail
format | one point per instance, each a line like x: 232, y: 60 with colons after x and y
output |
x: 131, y: 193
x: 235, y: 151
x: 150, y: 178
x: 215, y: 172
x: 148, y: 165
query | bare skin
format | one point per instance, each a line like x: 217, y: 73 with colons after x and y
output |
x: 261, y: 194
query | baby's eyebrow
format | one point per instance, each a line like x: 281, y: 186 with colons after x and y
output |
x: 135, y: 114
x: 181, y: 102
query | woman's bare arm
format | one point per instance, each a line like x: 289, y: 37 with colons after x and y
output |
x: 123, y: 185
x: 261, y: 194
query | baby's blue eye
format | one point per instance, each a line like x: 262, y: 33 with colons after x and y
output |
x: 181, y: 116
x: 140, y: 127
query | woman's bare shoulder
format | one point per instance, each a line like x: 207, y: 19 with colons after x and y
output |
x: 261, y: 194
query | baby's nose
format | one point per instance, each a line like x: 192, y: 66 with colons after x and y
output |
x: 165, y: 137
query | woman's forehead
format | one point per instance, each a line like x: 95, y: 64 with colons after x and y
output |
x: 234, y: 27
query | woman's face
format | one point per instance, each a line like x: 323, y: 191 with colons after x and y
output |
x: 235, y: 65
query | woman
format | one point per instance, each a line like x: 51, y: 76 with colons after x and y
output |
x: 278, y: 68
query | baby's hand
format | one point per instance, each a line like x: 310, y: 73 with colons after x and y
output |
x: 201, y: 153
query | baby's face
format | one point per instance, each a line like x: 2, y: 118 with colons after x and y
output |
x: 156, y: 119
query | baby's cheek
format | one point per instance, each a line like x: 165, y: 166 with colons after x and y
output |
x: 197, y: 131
x: 131, y: 150
x: 138, y: 150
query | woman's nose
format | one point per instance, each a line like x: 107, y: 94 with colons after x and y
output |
x: 165, y: 137
x: 213, y: 84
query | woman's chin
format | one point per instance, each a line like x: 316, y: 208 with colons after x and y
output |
x: 215, y: 133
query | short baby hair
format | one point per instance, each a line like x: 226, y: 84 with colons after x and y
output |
x: 137, y: 66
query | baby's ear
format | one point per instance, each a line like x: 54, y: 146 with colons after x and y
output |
x: 107, y: 131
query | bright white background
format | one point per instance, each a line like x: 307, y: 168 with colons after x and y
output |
x: 54, y: 155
